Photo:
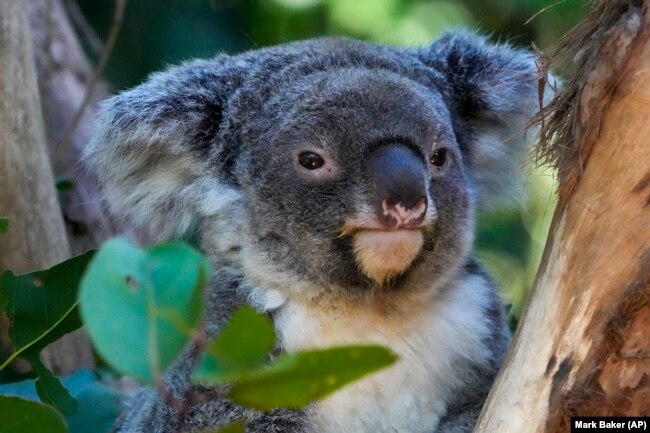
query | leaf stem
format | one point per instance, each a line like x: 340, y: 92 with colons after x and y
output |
x: 18, y: 352
x: 153, y: 331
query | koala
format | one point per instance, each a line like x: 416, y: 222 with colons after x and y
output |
x: 334, y: 185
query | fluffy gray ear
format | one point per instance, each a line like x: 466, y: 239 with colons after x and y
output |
x: 492, y: 92
x: 151, y: 147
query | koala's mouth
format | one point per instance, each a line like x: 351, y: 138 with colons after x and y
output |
x: 384, y: 254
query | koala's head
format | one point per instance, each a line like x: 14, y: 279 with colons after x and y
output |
x: 327, y: 165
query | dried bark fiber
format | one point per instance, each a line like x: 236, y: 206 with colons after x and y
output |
x: 600, y: 47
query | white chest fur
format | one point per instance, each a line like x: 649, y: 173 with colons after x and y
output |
x: 412, y: 395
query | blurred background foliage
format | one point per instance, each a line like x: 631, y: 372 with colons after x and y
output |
x: 156, y: 33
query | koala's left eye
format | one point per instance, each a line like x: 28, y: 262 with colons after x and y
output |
x: 439, y: 157
x: 310, y: 160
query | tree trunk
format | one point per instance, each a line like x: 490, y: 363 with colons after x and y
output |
x: 583, y: 346
x: 36, y: 236
x: 64, y: 74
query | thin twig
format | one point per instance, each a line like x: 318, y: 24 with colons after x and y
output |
x: 182, y: 405
x: 538, y: 13
x: 116, y: 25
x: 82, y: 24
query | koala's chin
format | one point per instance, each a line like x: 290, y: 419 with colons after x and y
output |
x: 383, y: 254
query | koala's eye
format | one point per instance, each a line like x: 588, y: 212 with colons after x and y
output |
x: 310, y: 160
x: 439, y: 157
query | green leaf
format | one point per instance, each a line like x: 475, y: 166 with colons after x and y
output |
x: 26, y: 389
x: 42, y: 305
x: 24, y: 416
x: 99, y: 408
x: 294, y: 380
x: 241, y: 347
x: 34, y: 325
x: 50, y: 390
x: 4, y: 225
x: 4, y: 300
x: 141, y: 306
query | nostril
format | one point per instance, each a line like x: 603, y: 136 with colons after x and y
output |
x: 419, y: 208
x: 401, y: 215
x: 388, y: 204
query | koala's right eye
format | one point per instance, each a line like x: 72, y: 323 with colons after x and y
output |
x: 439, y: 157
x: 310, y: 160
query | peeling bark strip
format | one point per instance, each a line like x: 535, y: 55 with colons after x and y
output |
x: 583, y: 346
x: 600, y: 47
x: 36, y: 238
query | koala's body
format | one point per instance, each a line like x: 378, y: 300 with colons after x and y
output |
x: 334, y: 184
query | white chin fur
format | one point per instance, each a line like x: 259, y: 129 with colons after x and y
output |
x: 383, y: 254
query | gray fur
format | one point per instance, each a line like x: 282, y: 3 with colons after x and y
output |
x: 211, y: 145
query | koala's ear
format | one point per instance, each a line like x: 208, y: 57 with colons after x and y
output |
x: 492, y: 92
x: 151, y: 147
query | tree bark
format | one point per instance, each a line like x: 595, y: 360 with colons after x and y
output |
x: 583, y: 345
x: 36, y: 236
x: 64, y: 74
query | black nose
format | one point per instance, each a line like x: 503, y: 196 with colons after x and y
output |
x: 399, y: 175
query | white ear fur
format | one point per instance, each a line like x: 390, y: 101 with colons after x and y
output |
x: 151, y: 194
x: 497, y: 164
x: 494, y: 92
x: 149, y: 155
x: 499, y: 151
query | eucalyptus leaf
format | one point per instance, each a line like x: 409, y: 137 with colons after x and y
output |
x: 42, y: 305
x: 23, y: 389
x: 26, y: 389
x: 25, y: 416
x: 99, y: 408
x: 294, y: 380
x: 98, y: 405
x: 50, y: 390
x: 240, y: 348
x: 141, y: 306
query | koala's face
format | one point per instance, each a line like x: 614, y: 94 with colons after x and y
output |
x: 331, y: 163
x: 359, y: 181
